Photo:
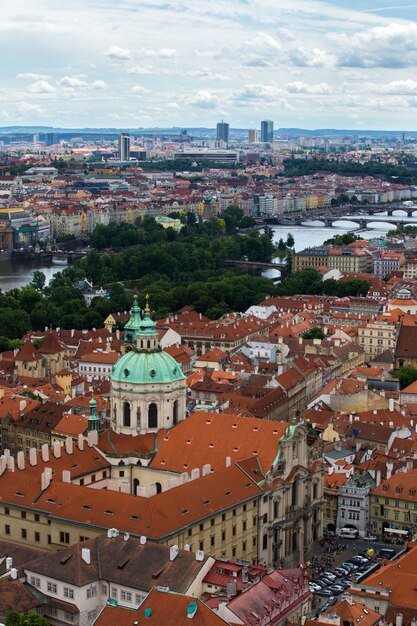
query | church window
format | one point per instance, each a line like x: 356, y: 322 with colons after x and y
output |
x: 175, y: 412
x: 152, y: 373
x: 152, y: 416
x: 126, y: 372
x: 126, y: 414
x: 158, y: 487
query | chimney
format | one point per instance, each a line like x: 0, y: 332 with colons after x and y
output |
x: 206, y: 469
x: 9, y: 563
x: 66, y: 476
x: 390, y: 467
x: 68, y: 445
x: 195, y: 473
x: 33, y: 456
x: 399, y: 619
x: 142, y: 540
x: 45, y: 480
x: 22, y: 405
x: 21, y: 460
x: 13, y: 574
x: 86, y: 555
x: 92, y: 438
x: 173, y: 552
x: 228, y: 461
x: 10, y: 464
x: 45, y: 453
x: 187, y: 547
x: 80, y: 442
x: 391, y: 404
x: 56, y: 448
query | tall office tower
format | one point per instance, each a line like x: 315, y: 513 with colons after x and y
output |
x: 124, y: 147
x: 51, y: 139
x: 223, y: 132
x: 267, y: 131
x: 253, y: 135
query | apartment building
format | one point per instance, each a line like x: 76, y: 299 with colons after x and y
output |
x: 376, y: 337
x: 393, y: 506
x: 347, y: 260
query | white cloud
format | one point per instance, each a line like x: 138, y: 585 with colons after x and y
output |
x: 163, y: 53
x: 391, y: 46
x: 117, y: 54
x: 204, y: 99
x: 258, y: 92
x: 28, y: 108
x: 32, y: 76
x: 99, y: 84
x: 138, y: 90
x: 207, y: 73
x: 41, y: 86
x: 322, y: 89
x: 138, y: 69
x: 73, y: 82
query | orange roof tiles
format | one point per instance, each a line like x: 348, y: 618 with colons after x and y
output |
x: 163, y: 608
x: 211, y: 437
x: 28, y: 352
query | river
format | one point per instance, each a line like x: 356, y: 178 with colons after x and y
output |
x: 14, y: 274
x: 315, y: 234
x: 17, y: 274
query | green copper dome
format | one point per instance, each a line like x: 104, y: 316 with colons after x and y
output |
x: 146, y: 367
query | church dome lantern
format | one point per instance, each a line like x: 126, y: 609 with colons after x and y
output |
x: 148, y: 389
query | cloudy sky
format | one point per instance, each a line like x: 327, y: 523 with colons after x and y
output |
x: 144, y: 63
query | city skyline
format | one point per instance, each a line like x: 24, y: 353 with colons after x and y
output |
x: 301, y: 64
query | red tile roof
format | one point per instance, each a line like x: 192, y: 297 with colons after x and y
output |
x: 211, y: 437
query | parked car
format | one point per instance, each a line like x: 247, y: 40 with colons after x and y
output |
x: 371, y: 538
x: 319, y: 583
x: 386, y: 553
x: 314, y: 586
x: 336, y: 589
x: 345, y: 584
x: 343, y: 571
x: 324, y: 592
x: 330, y: 576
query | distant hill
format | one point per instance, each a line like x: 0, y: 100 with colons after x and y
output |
x: 293, y: 132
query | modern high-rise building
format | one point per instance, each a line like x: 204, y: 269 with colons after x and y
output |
x: 253, y: 135
x: 51, y: 139
x: 124, y: 147
x: 267, y: 131
x: 223, y: 132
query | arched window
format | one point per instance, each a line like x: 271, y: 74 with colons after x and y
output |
x: 121, y: 463
x: 175, y: 413
x: 158, y: 487
x: 135, y: 486
x: 264, y: 542
x: 149, y: 344
x: 126, y: 414
x: 153, y: 416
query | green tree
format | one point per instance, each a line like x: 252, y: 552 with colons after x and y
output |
x: 38, y: 280
x: 314, y: 333
x: 13, y: 323
x: 290, y: 241
x: 13, y: 618
x: 407, y: 374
